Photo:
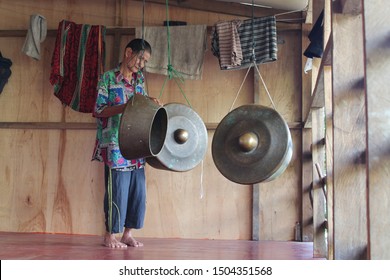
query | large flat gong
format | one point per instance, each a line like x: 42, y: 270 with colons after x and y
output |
x: 252, y: 144
x: 186, y: 140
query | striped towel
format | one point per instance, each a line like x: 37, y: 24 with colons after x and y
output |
x: 264, y: 40
x: 230, y: 53
x: 77, y: 63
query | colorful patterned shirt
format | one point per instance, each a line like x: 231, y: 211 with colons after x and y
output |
x: 114, y: 89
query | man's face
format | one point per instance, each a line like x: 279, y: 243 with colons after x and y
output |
x: 136, y: 61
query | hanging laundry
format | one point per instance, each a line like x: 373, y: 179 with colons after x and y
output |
x: 258, y: 39
x: 187, y: 49
x: 5, y: 71
x: 316, y: 37
x: 36, y: 34
x: 229, y: 49
x: 77, y: 62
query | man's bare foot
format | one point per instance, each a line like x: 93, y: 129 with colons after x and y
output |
x: 111, y: 242
x: 130, y: 241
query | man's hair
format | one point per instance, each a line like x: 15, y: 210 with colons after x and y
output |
x: 138, y: 45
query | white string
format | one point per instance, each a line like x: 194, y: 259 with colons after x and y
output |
x: 266, y: 89
x: 201, y: 181
x: 289, y: 12
x: 240, y: 88
x: 262, y: 80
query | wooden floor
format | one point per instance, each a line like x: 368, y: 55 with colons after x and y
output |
x: 38, y: 246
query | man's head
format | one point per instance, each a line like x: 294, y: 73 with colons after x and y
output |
x: 137, y: 53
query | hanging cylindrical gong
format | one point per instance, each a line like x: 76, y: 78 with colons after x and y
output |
x: 252, y: 144
x: 186, y: 141
x: 143, y: 128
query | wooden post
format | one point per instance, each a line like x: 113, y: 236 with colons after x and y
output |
x: 319, y: 199
x: 377, y: 51
x: 349, y: 134
x: 327, y: 70
x: 307, y: 163
x: 329, y: 160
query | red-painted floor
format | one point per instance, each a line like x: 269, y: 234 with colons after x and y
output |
x: 38, y: 246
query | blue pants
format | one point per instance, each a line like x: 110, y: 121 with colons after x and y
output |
x: 128, y: 200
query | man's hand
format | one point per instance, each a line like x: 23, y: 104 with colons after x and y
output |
x: 156, y: 101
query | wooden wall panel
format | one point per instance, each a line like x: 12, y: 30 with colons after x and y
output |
x: 46, y: 186
x: 54, y: 187
x: 280, y: 199
x: 377, y: 53
x: 213, y: 99
x: 29, y: 95
x: 283, y: 77
x: 15, y: 14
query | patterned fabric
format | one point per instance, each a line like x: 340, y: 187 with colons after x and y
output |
x: 77, y: 62
x: 260, y: 32
x: 230, y: 52
x: 264, y: 37
x: 115, y: 89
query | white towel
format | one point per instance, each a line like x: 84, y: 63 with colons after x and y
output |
x: 36, y: 34
x: 187, y: 48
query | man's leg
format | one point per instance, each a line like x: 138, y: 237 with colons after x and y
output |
x: 136, y: 207
x: 115, y: 204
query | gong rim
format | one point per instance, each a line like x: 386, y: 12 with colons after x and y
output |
x: 181, y: 155
x: 267, y: 160
x: 142, y: 128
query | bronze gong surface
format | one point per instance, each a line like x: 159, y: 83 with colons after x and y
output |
x: 142, y: 128
x: 252, y: 144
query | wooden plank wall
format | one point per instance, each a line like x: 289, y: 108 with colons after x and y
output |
x: 353, y: 80
x: 48, y: 182
x: 377, y: 53
x: 286, y: 95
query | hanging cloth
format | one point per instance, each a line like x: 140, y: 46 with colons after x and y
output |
x: 5, y: 71
x: 316, y: 37
x: 77, y: 63
x: 228, y: 45
x: 36, y: 34
x: 264, y: 38
x: 187, y: 51
x: 259, y: 33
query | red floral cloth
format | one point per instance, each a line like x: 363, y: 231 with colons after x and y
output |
x: 77, y: 62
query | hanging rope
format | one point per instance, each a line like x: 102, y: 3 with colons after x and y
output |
x: 111, y: 203
x: 109, y: 194
x: 143, y: 22
x: 265, y: 86
x: 238, y: 93
x: 253, y: 32
x: 289, y: 12
x: 143, y: 46
x: 172, y: 72
x: 253, y: 64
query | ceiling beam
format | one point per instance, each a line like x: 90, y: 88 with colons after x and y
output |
x: 228, y: 8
